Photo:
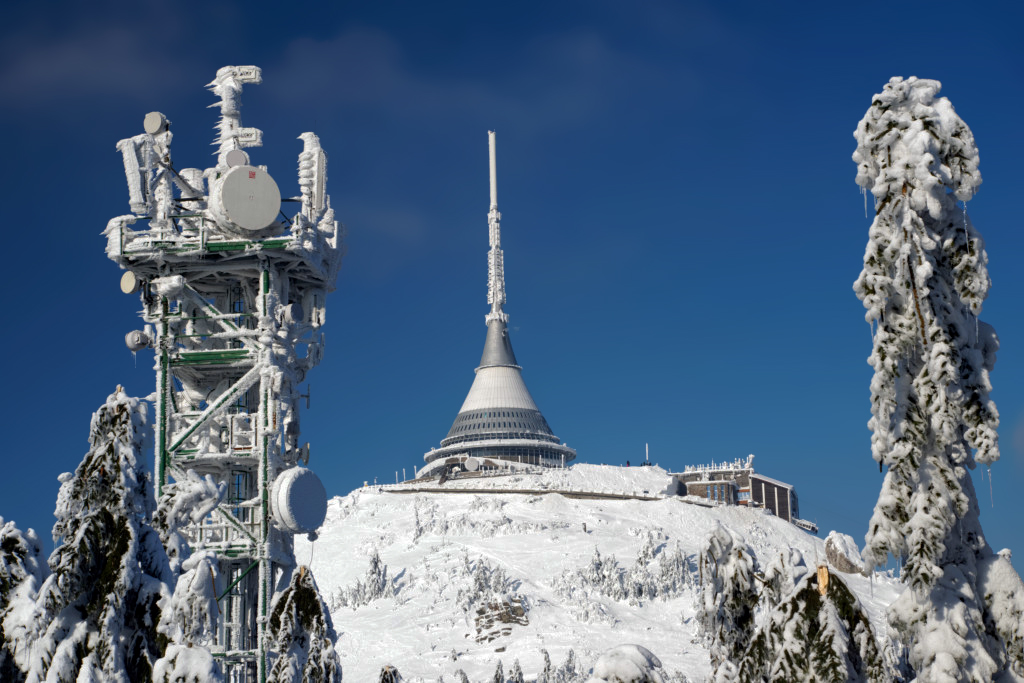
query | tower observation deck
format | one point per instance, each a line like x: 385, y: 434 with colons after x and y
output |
x: 499, y: 419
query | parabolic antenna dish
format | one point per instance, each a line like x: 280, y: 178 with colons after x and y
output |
x: 298, y: 501
x: 247, y: 199
x: 236, y: 157
x: 130, y: 283
x: 472, y: 464
x: 154, y: 123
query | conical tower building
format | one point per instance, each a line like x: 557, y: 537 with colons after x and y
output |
x: 499, y: 419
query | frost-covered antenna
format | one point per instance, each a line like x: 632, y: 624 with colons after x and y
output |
x: 233, y: 298
x: 495, y: 259
x: 228, y: 86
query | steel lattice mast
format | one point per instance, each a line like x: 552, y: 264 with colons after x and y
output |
x: 233, y: 296
x: 495, y: 257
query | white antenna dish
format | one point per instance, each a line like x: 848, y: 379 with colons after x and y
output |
x: 472, y: 464
x: 298, y: 501
x: 236, y: 157
x: 247, y: 198
x: 154, y: 123
x: 130, y: 282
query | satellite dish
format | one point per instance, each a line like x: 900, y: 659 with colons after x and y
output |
x: 246, y: 200
x: 236, y: 157
x: 298, y: 501
x: 130, y: 283
x: 136, y: 340
x: 472, y: 464
x: 154, y: 123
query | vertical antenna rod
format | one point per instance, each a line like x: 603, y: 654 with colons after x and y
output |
x: 494, y: 171
x: 495, y: 258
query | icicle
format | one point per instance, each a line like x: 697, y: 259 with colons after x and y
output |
x: 864, y: 192
x: 967, y: 238
x: 990, y: 496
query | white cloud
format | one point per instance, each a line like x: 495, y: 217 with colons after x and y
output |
x: 545, y: 85
x: 133, y: 58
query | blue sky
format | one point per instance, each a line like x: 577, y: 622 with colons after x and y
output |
x: 680, y: 221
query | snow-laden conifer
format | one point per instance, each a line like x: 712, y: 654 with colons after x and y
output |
x: 187, y: 500
x: 499, y: 674
x: 569, y: 671
x: 545, y: 672
x: 96, y: 614
x: 728, y: 595
x: 188, y: 620
x: 389, y: 674
x: 516, y: 674
x: 783, y: 573
x: 1003, y: 591
x: 302, y: 635
x: 375, y: 584
x: 923, y: 284
x: 22, y: 570
x: 813, y: 637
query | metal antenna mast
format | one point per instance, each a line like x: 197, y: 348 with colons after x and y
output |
x: 233, y: 295
x: 495, y: 258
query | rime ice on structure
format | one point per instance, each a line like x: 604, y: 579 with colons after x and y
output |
x: 233, y: 296
x: 499, y: 419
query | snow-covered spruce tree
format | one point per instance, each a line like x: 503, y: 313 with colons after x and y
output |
x: 22, y: 570
x: 728, y: 595
x: 302, y: 635
x: 375, y: 584
x: 545, y: 672
x: 389, y: 674
x: 516, y: 674
x: 923, y: 283
x: 188, y: 620
x: 783, y: 573
x: 97, y: 613
x: 499, y: 674
x: 813, y: 637
x: 569, y: 671
x: 189, y: 499
x: 189, y: 615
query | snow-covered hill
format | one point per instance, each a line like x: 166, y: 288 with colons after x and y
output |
x: 474, y: 578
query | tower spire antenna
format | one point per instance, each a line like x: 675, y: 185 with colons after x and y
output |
x: 477, y: 438
x: 495, y: 257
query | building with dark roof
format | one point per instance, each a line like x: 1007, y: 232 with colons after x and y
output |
x: 737, y: 483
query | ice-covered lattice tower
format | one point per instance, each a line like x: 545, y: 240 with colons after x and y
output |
x: 233, y: 296
x: 499, y: 419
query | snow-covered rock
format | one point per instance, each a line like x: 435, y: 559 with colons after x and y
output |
x: 627, y: 664
x: 842, y: 553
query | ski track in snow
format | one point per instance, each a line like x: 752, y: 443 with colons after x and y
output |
x: 535, y: 539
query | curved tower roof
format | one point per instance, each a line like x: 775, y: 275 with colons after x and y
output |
x: 499, y: 418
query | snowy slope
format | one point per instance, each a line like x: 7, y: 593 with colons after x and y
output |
x: 527, y: 549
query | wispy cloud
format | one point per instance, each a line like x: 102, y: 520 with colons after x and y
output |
x: 366, y: 68
x: 131, y: 58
